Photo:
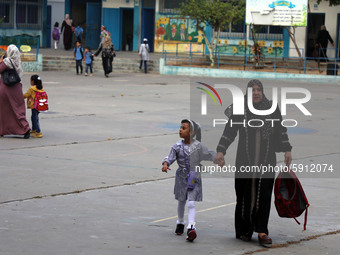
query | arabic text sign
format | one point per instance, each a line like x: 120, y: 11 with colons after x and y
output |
x: 277, y: 13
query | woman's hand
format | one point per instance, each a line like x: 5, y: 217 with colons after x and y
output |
x: 219, y: 160
x: 165, y: 167
x: 2, y: 58
x: 288, y: 158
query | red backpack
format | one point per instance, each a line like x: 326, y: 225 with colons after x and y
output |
x: 41, y: 101
x: 290, y: 199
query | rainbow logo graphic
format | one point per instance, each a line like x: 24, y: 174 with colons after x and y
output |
x: 204, y: 97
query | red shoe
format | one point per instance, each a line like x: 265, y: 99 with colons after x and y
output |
x: 191, y: 235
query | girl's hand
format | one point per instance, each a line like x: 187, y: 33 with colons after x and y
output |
x: 288, y: 158
x: 165, y: 167
x: 219, y: 160
x: 2, y: 58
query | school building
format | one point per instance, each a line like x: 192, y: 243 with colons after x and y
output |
x: 129, y: 21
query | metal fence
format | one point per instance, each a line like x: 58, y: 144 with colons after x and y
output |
x: 20, y: 41
x: 248, y: 61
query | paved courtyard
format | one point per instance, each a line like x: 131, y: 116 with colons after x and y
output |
x: 93, y: 184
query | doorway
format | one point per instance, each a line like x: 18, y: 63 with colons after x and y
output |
x: 127, y: 29
x: 337, y: 43
x: 49, y: 26
x: 315, y: 21
x: 148, y: 24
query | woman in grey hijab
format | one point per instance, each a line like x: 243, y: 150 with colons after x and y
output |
x: 12, y: 103
x: 257, y: 146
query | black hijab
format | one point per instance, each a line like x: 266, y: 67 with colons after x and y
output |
x: 265, y: 104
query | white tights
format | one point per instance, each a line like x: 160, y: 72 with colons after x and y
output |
x: 191, y: 213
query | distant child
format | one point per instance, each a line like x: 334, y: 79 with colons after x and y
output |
x: 36, y: 86
x: 144, y: 54
x: 188, y: 184
x: 56, y: 35
x: 78, y: 31
x: 88, y: 60
x: 79, y: 55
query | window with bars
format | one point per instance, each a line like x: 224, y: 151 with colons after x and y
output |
x: 170, y: 6
x: 29, y: 13
x: 6, y: 10
x: 269, y: 32
x: 24, y: 13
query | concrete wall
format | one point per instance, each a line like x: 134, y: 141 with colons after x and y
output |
x: 118, y: 4
x: 223, y: 73
x: 36, y: 66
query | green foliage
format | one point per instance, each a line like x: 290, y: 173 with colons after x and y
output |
x: 216, y: 13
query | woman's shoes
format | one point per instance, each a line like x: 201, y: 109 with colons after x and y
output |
x: 265, y: 241
x: 245, y: 238
x: 27, y: 134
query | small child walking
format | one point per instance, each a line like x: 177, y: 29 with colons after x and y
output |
x: 79, y: 55
x: 188, y: 152
x: 36, y: 86
x: 56, y: 35
x: 144, y: 54
x: 88, y: 56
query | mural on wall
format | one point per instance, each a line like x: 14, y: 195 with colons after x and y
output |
x: 177, y: 34
x: 237, y: 47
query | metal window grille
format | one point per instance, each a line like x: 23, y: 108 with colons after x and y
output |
x: 170, y: 6
x: 21, y: 13
x: 6, y: 13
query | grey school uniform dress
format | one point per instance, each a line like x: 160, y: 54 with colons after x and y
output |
x: 188, y: 156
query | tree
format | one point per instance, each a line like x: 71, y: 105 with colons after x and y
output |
x: 217, y: 14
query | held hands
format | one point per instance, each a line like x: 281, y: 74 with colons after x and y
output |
x: 219, y: 160
x: 165, y: 167
x: 288, y: 158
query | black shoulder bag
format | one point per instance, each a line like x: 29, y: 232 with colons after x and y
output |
x: 11, y: 76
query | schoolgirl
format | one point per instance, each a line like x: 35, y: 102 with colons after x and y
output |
x: 188, y: 152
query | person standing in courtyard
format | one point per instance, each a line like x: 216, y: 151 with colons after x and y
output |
x: 188, y: 153
x: 12, y: 103
x: 257, y: 146
x: 78, y: 32
x: 144, y: 54
x: 108, y: 54
x: 36, y: 86
x: 66, y: 27
x: 88, y: 57
x: 322, y: 43
x: 56, y: 35
x: 103, y: 33
x: 79, y: 55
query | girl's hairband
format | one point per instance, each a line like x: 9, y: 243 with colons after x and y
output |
x: 39, y: 78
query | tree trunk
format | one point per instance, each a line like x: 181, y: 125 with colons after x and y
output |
x: 292, y: 37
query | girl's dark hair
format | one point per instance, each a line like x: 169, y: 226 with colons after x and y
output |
x: 37, y: 81
x: 56, y: 24
x: 194, y: 127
